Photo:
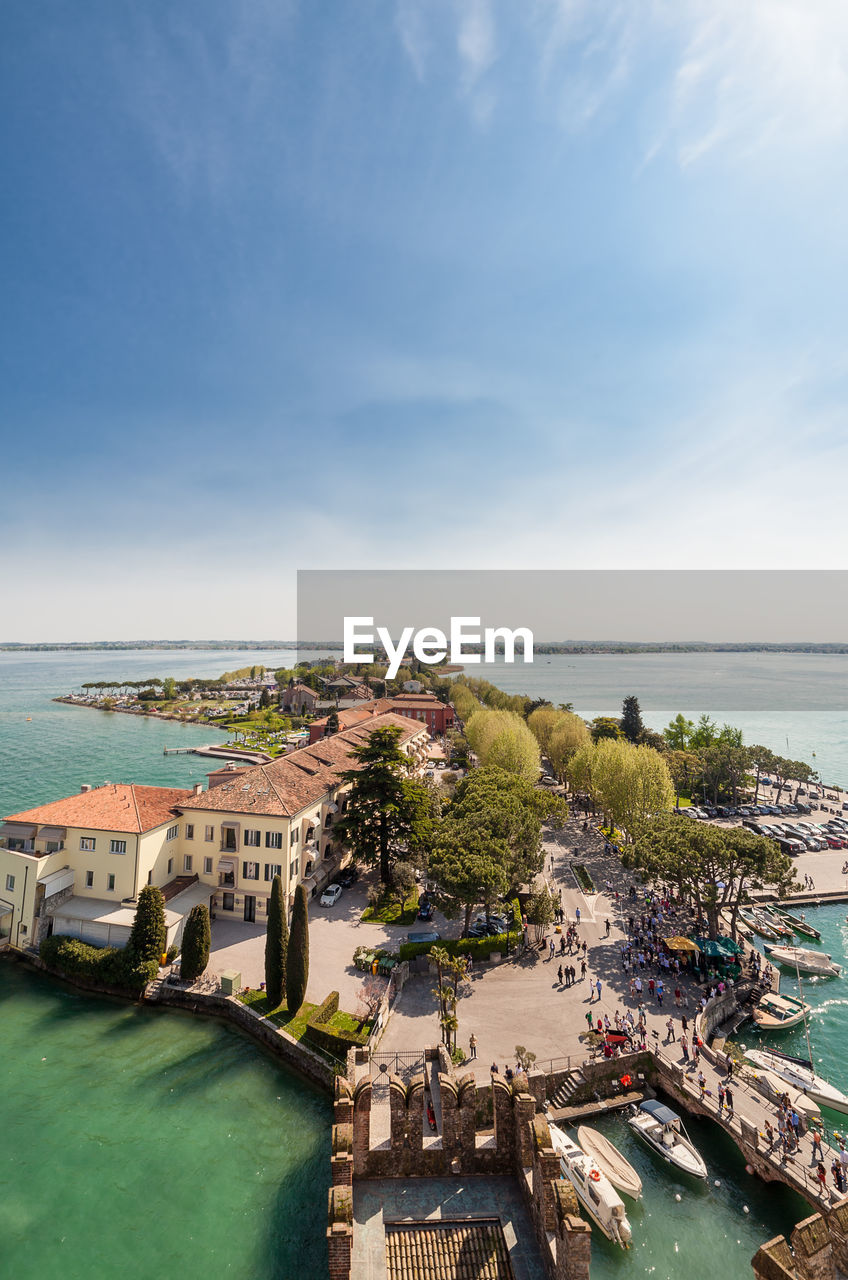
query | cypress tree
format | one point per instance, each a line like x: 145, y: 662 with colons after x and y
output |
x: 149, y: 934
x: 197, y: 938
x: 631, y: 719
x: 276, y: 946
x: 297, y: 969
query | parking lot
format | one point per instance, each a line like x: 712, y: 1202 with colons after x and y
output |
x: 802, y: 822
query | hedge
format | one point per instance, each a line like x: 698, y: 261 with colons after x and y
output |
x: 325, y: 1011
x: 112, y: 966
x: 321, y: 1035
x: 477, y: 948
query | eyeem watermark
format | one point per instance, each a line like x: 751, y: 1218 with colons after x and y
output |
x: 431, y: 645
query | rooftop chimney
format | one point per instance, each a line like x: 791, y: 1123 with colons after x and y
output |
x: 197, y: 789
x: 86, y: 786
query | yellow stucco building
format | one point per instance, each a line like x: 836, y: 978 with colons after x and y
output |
x: 76, y: 866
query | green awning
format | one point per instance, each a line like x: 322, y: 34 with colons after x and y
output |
x: 714, y: 950
x: 733, y: 947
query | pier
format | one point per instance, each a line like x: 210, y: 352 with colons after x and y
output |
x: 221, y: 753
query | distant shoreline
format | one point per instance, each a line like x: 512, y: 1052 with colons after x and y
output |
x: 569, y: 647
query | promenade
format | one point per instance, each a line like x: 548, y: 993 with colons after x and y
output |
x: 521, y: 1001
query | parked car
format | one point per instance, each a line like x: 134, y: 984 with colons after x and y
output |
x: 424, y: 935
x: 425, y: 908
x: 348, y: 877
x: 331, y: 895
x: 803, y: 808
x: 834, y: 842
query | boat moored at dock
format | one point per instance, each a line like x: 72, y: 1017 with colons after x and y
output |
x: 662, y: 1130
x: 815, y: 962
x: 779, y: 1013
x: 593, y: 1188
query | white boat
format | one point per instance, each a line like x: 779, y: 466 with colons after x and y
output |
x: 799, y: 1073
x: 610, y: 1161
x: 775, y: 1088
x: 593, y: 1188
x: 815, y: 962
x: 662, y: 1130
x: 779, y: 1013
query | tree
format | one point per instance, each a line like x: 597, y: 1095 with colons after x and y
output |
x: 569, y: 735
x: 197, y: 939
x: 169, y: 688
x: 149, y: 935
x: 264, y: 699
x: 678, y: 733
x: 711, y: 866
x: 383, y: 803
x: 511, y: 810
x: 403, y: 880
x: 503, y: 740
x: 540, y: 911
x: 605, y: 727
x: 629, y: 783
x: 631, y: 719
x: 683, y: 767
x: 368, y: 999
x: 276, y: 945
x: 468, y: 867
x: 450, y: 970
x: 332, y: 723
x: 297, y: 958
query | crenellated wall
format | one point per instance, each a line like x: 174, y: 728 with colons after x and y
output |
x: 520, y: 1145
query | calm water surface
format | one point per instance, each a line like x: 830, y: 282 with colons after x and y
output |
x: 143, y: 1143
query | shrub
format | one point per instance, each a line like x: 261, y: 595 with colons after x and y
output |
x: 581, y: 875
x: 110, y: 966
x: 297, y: 966
x: 276, y: 945
x: 325, y: 1011
x: 149, y: 935
x: 197, y: 939
x: 172, y: 953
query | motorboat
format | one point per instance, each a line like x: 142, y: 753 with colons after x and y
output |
x: 663, y: 1131
x: 610, y: 1161
x: 775, y: 1088
x: 779, y: 1013
x: 593, y: 1188
x: 815, y: 962
x: 799, y: 1073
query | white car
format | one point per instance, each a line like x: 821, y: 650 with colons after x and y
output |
x: 331, y: 895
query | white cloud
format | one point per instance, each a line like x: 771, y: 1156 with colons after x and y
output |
x: 476, y: 38
x: 409, y: 21
x: 754, y: 77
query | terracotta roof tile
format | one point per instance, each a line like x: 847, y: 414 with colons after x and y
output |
x: 290, y: 783
x: 117, y: 807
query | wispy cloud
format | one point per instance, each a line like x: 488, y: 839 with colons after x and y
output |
x: 411, y: 28
x: 476, y: 38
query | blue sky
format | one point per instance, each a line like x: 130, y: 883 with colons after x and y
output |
x: 364, y: 284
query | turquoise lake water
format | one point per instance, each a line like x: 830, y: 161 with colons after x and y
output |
x: 150, y: 1144
x: 142, y: 1143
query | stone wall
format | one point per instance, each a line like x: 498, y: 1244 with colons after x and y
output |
x: 816, y: 1249
x: 283, y: 1046
x: 520, y: 1145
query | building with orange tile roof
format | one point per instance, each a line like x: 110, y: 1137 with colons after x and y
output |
x: 77, y: 865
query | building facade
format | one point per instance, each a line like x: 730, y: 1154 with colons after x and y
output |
x: 77, y: 865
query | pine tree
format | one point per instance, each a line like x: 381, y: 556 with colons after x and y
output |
x: 149, y: 934
x: 297, y: 967
x: 631, y: 719
x: 197, y: 939
x: 276, y: 946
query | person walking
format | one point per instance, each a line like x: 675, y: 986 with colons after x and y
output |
x: 551, y: 949
x: 589, y: 1021
x: 559, y: 975
x: 472, y: 1045
x: 598, y: 988
x: 728, y: 1097
x: 684, y: 1045
x: 817, y: 1147
x: 702, y: 1084
x: 577, y: 915
x: 720, y: 1098
x: 607, y: 934
x: 582, y: 970
x: 669, y: 1031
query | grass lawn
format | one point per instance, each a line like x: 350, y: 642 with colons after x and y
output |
x: 295, y: 1026
x: 390, y: 911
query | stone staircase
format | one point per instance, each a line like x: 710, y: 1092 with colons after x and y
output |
x: 573, y: 1081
